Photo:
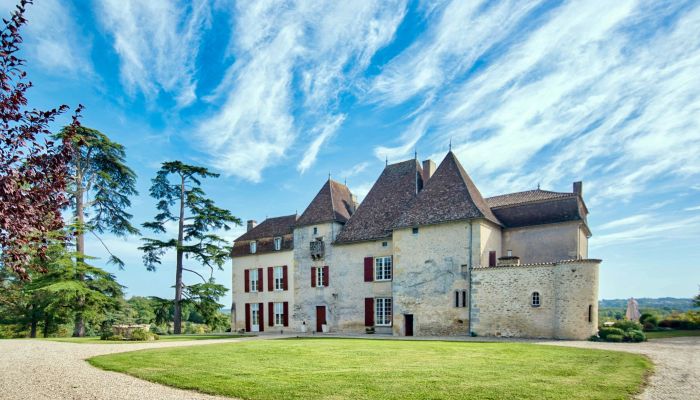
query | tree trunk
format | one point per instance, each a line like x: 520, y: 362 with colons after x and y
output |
x: 79, y: 328
x: 47, y: 325
x: 32, y: 329
x: 177, y: 319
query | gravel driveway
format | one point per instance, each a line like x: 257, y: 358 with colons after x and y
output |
x: 39, y: 369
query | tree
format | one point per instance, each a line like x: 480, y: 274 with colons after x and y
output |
x: 33, y: 169
x: 196, y: 217
x: 696, y: 300
x: 205, y: 298
x: 99, y: 186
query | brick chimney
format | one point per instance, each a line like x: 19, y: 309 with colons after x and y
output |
x: 428, y: 170
x: 251, y: 224
x: 578, y: 188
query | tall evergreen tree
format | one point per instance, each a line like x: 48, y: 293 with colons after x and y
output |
x: 196, y: 217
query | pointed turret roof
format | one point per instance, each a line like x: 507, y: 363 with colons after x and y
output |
x: 333, y: 203
x: 389, y: 197
x: 449, y: 195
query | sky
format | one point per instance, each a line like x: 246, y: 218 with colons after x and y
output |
x: 276, y: 95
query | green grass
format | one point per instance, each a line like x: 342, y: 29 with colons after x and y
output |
x: 163, y: 338
x: 671, y: 334
x: 387, y: 369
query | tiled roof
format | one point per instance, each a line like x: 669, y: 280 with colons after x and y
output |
x: 391, y: 194
x: 524, y: 197
x: 271, y: 227
x: 332, y: 203
x: 449, y: 195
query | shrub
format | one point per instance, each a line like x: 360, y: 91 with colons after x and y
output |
x: 648, y: 326
x: 614, y: 338
x: 105, y: 335
x: 594, y: 338
x: 605, y: 332
x: 114, y: 337
x: 140, y: 335
x: 635, y: 336
x: 648, y: 319
x: 628, y: 325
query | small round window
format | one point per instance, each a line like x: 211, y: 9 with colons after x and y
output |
x: 536, y: 299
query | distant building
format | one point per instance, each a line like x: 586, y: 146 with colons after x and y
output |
x: 424, y: 254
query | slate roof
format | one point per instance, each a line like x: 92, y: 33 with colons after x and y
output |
x: 332, y: 203
x: 449, y: 195
x: 271, y: 227
x: 525, y: 197
x: 389, y: 197
x: 537, y: 207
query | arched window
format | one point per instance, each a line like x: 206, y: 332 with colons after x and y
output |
x: 535, y: 299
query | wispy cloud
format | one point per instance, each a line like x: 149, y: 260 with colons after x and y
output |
x: 679, y: 228
x: 696, y: 208
x: 292, y: 63
x: 632, y: 220
x: 157, y: 42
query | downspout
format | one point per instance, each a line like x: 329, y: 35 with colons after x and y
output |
x: 469, y: 324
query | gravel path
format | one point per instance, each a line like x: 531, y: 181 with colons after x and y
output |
x: 40, y: 369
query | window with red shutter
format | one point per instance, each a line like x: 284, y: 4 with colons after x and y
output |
x: 284, y: 278
x: 247, y: 280
x: 270, y: 279
x: 247, y: 316
x: 313, y: 276
x: 261, y: 287
x: 285, y: 316
x: 369, y: 311
x: 271, y: 313
x: 261, y: 315
x: 325, y: 276
x: 369, y: 269
x: 492, y: 258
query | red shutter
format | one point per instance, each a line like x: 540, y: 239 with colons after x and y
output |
x: 247, y: 316
x: 270, y: 279
x: 369, y: 311
x: 285, y: 316
x: 284, y: 278
x: 313, y: 276
x: 492, y: 258
x: 369, y: 269
x: 261, y: 287
x: 247, y: 280
x: 271, y: 313
x: 261, y: 316
x: 325, y: 276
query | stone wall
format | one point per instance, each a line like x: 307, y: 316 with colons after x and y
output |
x: 502, y: 300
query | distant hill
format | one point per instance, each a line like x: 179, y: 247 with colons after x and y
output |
x: 664, y: 303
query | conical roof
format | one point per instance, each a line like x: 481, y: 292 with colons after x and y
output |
x: 449, y: 195
x: 333, y: 203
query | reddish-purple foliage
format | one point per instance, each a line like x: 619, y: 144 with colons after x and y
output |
x: 33, y: 168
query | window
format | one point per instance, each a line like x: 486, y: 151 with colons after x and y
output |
x: 536, y: 299
x: 382, y: 268
x: 254, y: 315
x: 319, y: 276
x: 382, y: 310
x: 315, y: 230
x: 590, y: 313
x: 415, y: 231
x: 253, y: 247
x: 279, y: 314
x: 385, y: 244
x: 460, y: 298
x: 278, y: 243
x: 279, y: 278
x: 510, y: 253
x: 254, y: 281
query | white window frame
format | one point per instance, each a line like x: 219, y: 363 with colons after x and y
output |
x: 254, y: 281
x: 383, y: 268
x: 279, y: 314
x: 536, y: 299
x: 319, y: 276
x: 255, y: 315
x: 278, y: 243
x: 383, y: 310
x: 279, y: 278
x: 253, y: 247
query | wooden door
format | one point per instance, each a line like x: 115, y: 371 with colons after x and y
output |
x: 320, y: 317
x: 408, y: 319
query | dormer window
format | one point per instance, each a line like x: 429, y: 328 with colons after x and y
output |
x: 253, y: 247
x: 278, y: 243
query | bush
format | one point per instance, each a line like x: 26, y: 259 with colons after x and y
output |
x: 635, y: 336
x: 648, y: 326
x: 113, y: 337
x: 628, y: 325
x: 594, y: 338
x: 614, y: 338
x: 140, y: 335
x: 648, y: 319
x: 605, y: 332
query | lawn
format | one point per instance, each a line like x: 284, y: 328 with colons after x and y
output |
x: 671, y: 334
x: 387, y: 369
x: 163, y: 338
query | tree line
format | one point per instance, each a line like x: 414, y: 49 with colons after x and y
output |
x: 59, y: 190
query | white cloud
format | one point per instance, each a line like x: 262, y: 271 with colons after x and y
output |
x: 632, y: 220
x: 407, y: 141
x: 696, y: 208
x: 51, y: 39
x: 680, y: 228
x: 292, y: 63
x: 157, y: 42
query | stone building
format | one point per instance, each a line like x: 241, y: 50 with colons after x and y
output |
x: 424, y: 254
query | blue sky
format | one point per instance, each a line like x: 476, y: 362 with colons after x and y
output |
x: 277, y: 95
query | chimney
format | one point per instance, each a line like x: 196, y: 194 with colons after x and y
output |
x: 428, y: 170
x: 251, y: 224
x: 578, y: 188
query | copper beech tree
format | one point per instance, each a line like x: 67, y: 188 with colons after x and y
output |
x: 33, y: 167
